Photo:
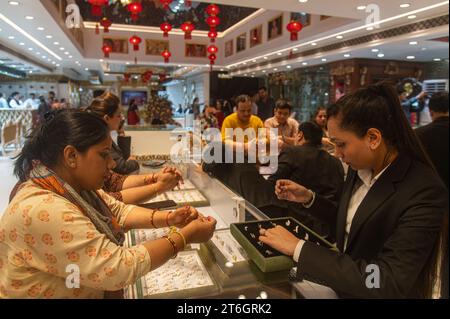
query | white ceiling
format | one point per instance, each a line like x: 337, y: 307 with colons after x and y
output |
x: 39, y: 43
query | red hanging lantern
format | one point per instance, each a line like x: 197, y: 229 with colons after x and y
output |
x: 212, y: 60
x: 126, y: 77
x: 135, y: 9
x: 212, y: 49
x: 97, y: 7
x: 135, y: 41
x: 166, y: 3
x: 166, y: 55
x: 107, y: 49
x: 162, y: 77
x: 213, y: 22
x: 148, y: 75
x: 294, y: 27
x: 187, y: 27
x: 105, y: 23
x: 166, y: 27
x: 212, y: 10
x: 212, y: 35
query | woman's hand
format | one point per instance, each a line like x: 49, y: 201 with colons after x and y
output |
x: 279, y: 238
x: 168, y: 179
x: 288, y: 190
x: 182, y: 216
x: 200, y: 230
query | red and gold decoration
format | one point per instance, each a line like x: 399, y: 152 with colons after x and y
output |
x: 212, y: 35
x: 97, y: 7
x: 212, y: 10
x: 166, y: 55
x: 213, y: 21
x: 166, y: 3
x: 187, y: 28
x: 294, y: 27
x: 162, y: 77
x: 135, y: 8
x: 126, y: 77
x: 106, y: 24
x: 166, y: 27
x: 107, y: 49
x: 135, y: 41
x: 146, y: 76
x: 212, y: 50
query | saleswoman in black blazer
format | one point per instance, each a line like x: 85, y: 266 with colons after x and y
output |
x: 392, y: 218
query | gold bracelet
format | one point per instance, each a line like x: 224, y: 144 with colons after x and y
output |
x: 182, y: 237
x: 173, y: 244
x: 151, y: 218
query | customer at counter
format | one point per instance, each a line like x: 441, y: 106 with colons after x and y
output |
x: 392, y: 212
x: 320, y: 118
x: 287, y: 126
x: 59, y: 219
x: 107, y: 107
x: 242, y: 119
x: 3, y: 102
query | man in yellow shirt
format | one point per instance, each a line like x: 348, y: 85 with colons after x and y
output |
x: 241, y: 128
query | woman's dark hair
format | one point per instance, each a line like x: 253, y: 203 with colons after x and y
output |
x: 378, y: 106
x: 316, y: 112
x: 283, y: 105
x: 42, y: 99
x: 312, y: 133
x: 439, y: 102
x: 106, y: 104
x: 60, y: 128
x: 132, y: 101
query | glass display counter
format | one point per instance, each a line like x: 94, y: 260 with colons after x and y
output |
x: 219, y: 268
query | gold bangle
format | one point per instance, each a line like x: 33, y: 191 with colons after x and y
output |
x: 151, y: 218
x: 182, y: 237
x: 173, y: 244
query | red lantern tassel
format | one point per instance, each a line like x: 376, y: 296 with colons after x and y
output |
x: 97, y: 29
x: 96, y: 11
x: 294, y: 36
x: 136, y: 47
x: 188, y: 36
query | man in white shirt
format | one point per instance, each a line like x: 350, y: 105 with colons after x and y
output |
x: 3, y: 102
x: 31, y: 102
x: 14, y: 101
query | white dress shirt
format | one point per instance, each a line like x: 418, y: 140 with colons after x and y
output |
x: 15, y: 104
x: 356, y: 200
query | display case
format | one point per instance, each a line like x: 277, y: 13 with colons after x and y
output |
x: 217, y: 269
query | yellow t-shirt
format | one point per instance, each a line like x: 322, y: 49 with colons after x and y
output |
x: 233, y: 122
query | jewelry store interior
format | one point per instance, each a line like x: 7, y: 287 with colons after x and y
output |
x: 252, y: 149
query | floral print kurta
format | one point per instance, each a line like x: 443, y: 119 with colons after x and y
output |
x: 41, y: 233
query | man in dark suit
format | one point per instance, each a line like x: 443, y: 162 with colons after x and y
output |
x: 434, y: 136
x: 266, y: 104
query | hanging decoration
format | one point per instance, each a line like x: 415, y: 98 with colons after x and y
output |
x: 135, y: 41
x: 166, y: 27
x: 166, y: 55
x: 294, y: 27
x: 97, y: 28
x: 212, y: 50
x: 188, y: 3
x: 135, y: 9
x: 162, y: 77
x: 166, y: 3
x: 212, y: 10
x: 106, y: 24
x: 187, y: 28
x: 212, y: 35
x: 213, y: 22
x: 107, y: 49
x: 126, y: 77
x: 97, y: 7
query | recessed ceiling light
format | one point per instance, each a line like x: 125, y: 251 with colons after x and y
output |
x: 410, y: 57
x: 86, y: 69
x: 56, y: 43
x: 295, y: 49
x: 14, y: 3
x: 405, y: 5
x: 44, y: 57
x: 375, y: 50
x: 30, y: 49
x: 279, y: 53
x: 324, y: 60
x: 253, y: 61
x: 11, y: 37
x: 29, y: 18
x: 264, y: 71
x: 266, y: 58
x: 128, y: 63
x: 302, y: 1
x: 62, y: 49
x: 58, y: 65
x: 437, y: 60
x: 413, y: 43
x: 30, y: 72
x: 275, y: 69
x: 314, y: 44
x: 101, y: 60
x: 361, y: 8
x: 66, y: 53
x: 288, y: 67
x: 339, y: 37
x: 41, y: 28
x: 49, y: 36
x: 305, y: 63
x: 21, y: 43
x: 70, y: 57
x: 412, y: 16
x: 347, y: 55
x: 369, y: 29
x: 380, y: 55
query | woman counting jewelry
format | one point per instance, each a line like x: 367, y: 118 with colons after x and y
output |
x: 392, y: 218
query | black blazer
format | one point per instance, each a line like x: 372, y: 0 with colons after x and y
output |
x: 434, y: 138
x: 120, y: 156
x: 395, y: 227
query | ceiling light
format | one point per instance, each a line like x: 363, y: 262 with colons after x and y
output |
x: 305, y: 63
x: 62, y: 49
x: 380, y: 55
x: 49, y: 36
x: 264, y: 71
x: 56, y: 43
x: 288, y: 67
x: 295, y: 49
x: 70, y: 57
x: 14, y: 3
x: 11, y: 37
x: 302, y: 1
x: 275, y: 69
x: 86, y: 69
x: 58, y: 65
x: 412, y: 16
x: 369, y: 29
x: 410, y: 57
x: 266, y: 58
x: 361, y: 8
x: 66, y: 53
x: 324, y: 60
x: 30, y: 49
x: 347, y: 55
x: 375, y: 50
x: 38, y: 53
x: 279, y: 53
x: 41, y: 28
x: 314, y: 44
x: 413, y: 43
x: 339, y: 37
x: 405, y: 5
x: 437, y: 60
x: 29, y: 18
x: 21, y: 43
